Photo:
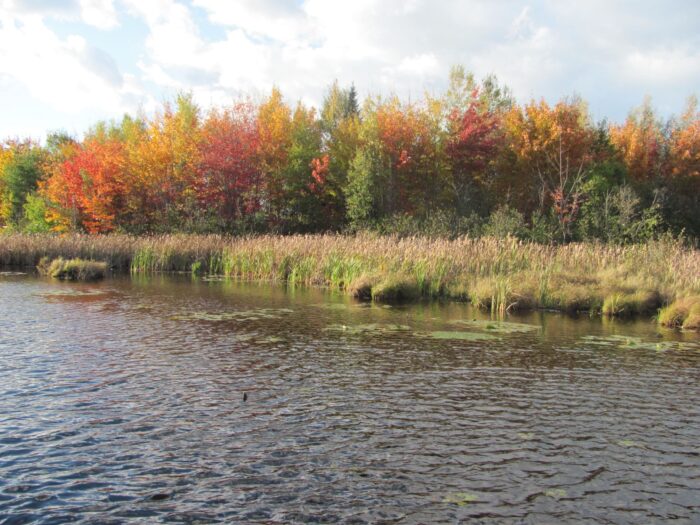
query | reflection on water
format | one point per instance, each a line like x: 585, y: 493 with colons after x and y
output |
x: 170, y: 400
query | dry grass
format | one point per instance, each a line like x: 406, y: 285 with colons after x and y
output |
x: 500, y: 274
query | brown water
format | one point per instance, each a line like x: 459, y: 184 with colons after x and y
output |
x: 124, y: 402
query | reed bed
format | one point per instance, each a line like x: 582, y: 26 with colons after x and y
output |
x: 498, y: 274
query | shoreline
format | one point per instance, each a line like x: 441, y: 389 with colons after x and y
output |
x: 659, y: 278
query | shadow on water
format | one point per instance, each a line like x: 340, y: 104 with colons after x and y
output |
x: 168, y: 399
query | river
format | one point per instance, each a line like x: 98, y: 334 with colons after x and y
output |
x: 163, y: 399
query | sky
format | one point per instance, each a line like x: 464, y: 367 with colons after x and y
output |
x: 66, y: 64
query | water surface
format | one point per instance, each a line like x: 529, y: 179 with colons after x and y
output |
x: 167, y: 400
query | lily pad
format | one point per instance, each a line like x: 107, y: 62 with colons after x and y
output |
x: 460, y: 498
x: 460, y: 336
x: 498, y: 327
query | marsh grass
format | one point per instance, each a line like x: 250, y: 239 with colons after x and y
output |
x: 396, y: 288
x: 72, y: 269
x: 684, y: 313
x: 501, y: 275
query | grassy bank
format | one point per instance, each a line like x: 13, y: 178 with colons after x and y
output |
x: 496, y: 274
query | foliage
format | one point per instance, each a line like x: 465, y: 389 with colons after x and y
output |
x: 468, y: 161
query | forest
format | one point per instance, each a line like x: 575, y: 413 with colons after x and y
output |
x: 471, y: 161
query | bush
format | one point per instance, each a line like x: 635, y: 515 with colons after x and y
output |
x: 506, y: 221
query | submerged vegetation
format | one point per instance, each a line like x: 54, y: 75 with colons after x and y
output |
x: 502, y: 275
x: 72, y: 269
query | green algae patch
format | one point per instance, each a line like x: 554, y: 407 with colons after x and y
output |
x: 460, y: 498
x: 637, y: 343
x: 371, y: 328
x: 628, y: 443
x: 331, y: 306
x: 458, y: 336
x: 235, y: 315
x: 271, y: 339
x: 555, y: 493
x: 497, y: 327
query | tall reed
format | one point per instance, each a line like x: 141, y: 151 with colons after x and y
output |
x: 499, y: 274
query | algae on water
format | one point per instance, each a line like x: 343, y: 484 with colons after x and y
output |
x: 498, y: 327
x: 371, y: 328
x: 235, y: 315
x: 458, y: 336
x: 637, y: 343
x: 460, y: 498
x: 555, y: 493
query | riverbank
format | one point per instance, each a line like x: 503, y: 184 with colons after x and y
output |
x: 501, y: 275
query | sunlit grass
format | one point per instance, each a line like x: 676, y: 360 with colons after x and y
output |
x: 72, y: 269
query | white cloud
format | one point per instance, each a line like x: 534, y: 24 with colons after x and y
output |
x: 68, y: 74
x: 611, y: 53
x: 99, y: 13
x: 420, y: 65
x: 660, y: 66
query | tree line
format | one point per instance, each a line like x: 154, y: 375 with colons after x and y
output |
x: 469, y: 161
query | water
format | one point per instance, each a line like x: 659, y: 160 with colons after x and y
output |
x: 164, y: 400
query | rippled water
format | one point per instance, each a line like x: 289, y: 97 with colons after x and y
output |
x: 165, y: 400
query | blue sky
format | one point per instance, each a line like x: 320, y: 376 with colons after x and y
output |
x: 65, y: 64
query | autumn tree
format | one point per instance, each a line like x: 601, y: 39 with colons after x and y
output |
x: 683, y: 174
x: 274, y: 140
x: 228, y: 178
x: 549, y: 156
x: 640, y: 142
x: 475, y: 140
x: 162, y: 167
